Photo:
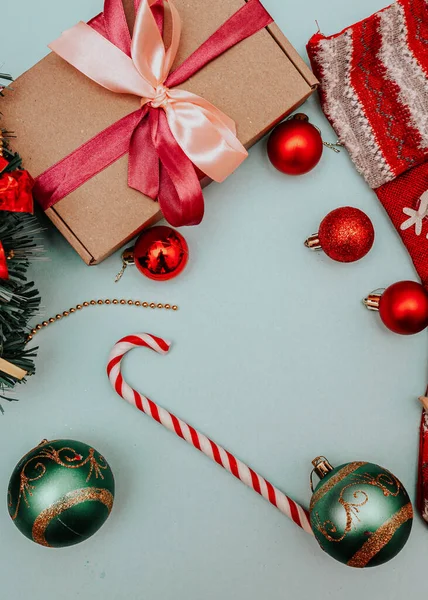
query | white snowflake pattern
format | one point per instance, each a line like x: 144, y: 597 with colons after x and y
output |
x: 416, y: 217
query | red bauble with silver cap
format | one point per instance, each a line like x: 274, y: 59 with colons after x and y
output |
x: 295, y: 146
x: 160, y: 253
x: 403, y: 307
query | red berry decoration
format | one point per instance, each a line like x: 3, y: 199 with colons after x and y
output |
x: 403, y: 307
x: 346, y: 235
x: 161, y: 253
x: 295, y: 146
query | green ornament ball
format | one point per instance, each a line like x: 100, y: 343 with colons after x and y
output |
x: 60, y: 493
x: 360, y: 513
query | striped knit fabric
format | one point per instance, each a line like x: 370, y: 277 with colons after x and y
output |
x: 374, y: 91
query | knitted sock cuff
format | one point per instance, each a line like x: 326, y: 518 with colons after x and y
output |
x: 374, y: 89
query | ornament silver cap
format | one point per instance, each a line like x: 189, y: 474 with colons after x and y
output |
x: 321, y: 468
x: 313, y: 242
x: 373, y: 300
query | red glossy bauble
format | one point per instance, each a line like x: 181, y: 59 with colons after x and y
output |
x: 346, y: 234
x: 161, y: 253
x: 295, y: 147
x: 403, y: 307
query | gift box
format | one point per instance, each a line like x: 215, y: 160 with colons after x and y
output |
x: 55, y: 109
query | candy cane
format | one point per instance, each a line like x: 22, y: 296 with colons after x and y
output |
x: 221, y: 456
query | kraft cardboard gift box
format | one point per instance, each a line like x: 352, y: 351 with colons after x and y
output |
x: 54, y: 108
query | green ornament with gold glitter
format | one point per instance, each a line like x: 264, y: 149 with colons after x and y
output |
x: 360, y: 513
x: 60, y: 493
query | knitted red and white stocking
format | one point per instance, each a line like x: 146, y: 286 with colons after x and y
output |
x: 374, y: 91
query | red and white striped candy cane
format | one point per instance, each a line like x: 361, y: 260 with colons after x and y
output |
x: 221, y: 456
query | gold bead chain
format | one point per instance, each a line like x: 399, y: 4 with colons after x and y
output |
x: 115, y: 301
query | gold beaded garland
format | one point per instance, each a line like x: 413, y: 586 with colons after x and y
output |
x: 99, y: 302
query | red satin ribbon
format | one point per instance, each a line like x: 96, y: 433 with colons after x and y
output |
x: 158, y: 167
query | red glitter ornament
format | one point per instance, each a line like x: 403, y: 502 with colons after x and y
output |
x: 346, y: 235
x: 295, y: 146
x: 403, y: 307
x: 161, y: 253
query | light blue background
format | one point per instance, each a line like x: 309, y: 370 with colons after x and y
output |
x: 274, y: 356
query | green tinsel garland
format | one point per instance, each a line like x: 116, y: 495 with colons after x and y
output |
x: 19, y: 299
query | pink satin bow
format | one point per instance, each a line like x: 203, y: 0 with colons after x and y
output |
x: 187, y: 131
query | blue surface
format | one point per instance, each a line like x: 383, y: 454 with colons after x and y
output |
x: 274, y: 356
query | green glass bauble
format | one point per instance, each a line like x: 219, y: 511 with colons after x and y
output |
x: 60, y: 493
x: 361, y: 514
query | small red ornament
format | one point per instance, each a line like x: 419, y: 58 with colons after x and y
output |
x: 295, y: 146
x: 160, y: 253
x: 345, y: 234
x: 403, y: 307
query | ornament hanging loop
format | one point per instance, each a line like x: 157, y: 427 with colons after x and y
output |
x: 335, y: 147
x: 311, y: 480
x: 127, y: 259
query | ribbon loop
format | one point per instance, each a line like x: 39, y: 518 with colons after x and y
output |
x: 100, y: 60
x: 115, y: 25
x: 147, y: 48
